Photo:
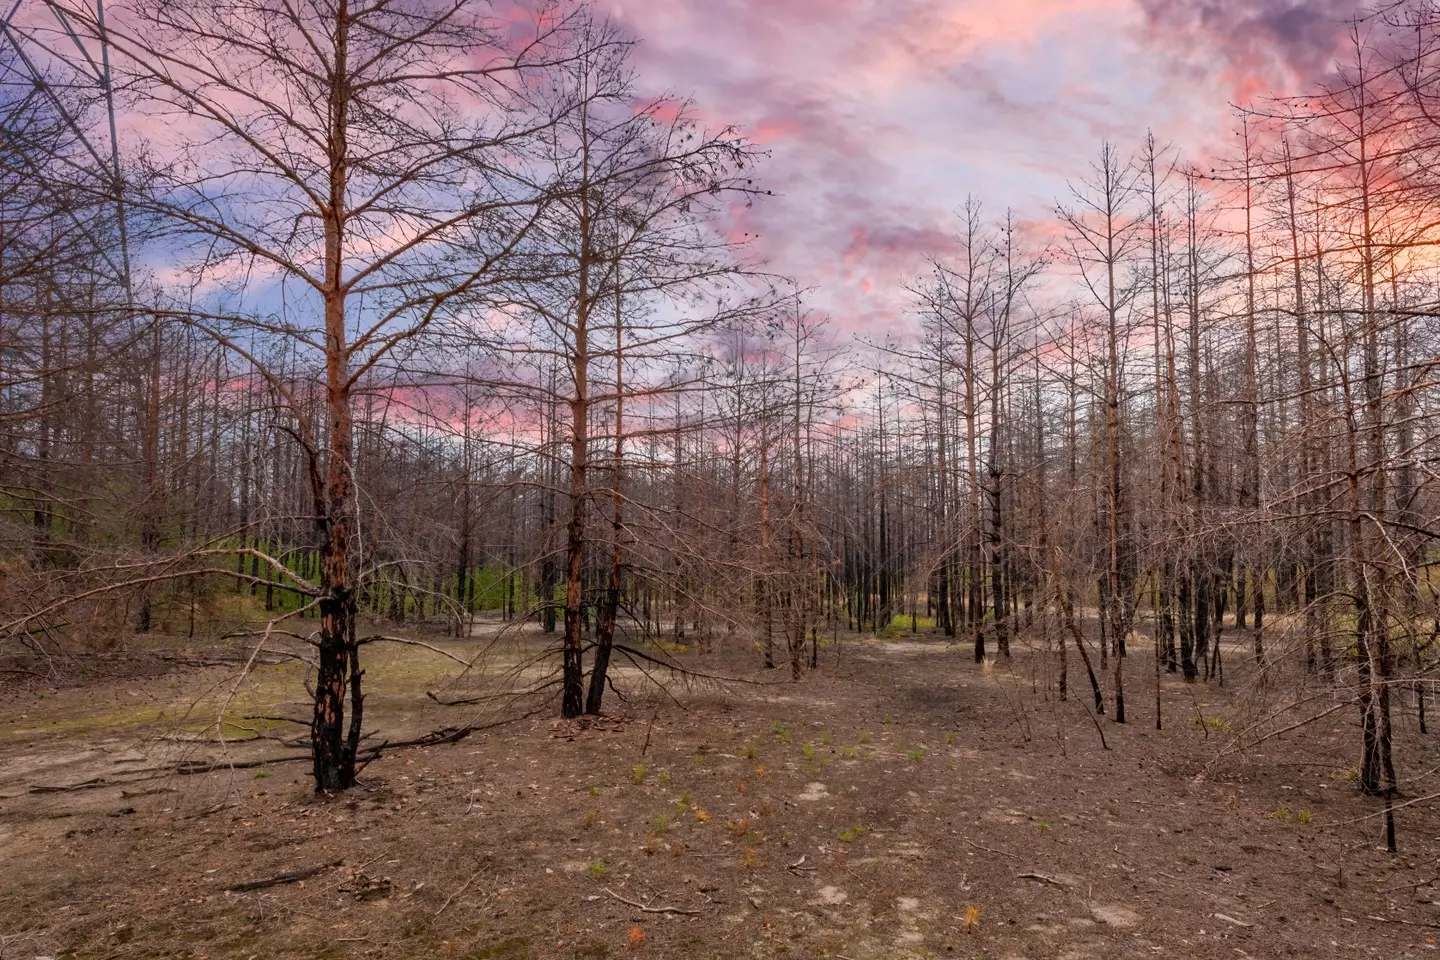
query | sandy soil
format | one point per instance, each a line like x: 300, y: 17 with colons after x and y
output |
x: 903, y: 802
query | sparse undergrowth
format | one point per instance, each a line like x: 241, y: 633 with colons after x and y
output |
x: 523, y: 844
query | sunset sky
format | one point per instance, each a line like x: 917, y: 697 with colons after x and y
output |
x: 881, y: 115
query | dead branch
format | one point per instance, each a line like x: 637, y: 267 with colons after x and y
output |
x: 294, y: 876
x: 644, y: 909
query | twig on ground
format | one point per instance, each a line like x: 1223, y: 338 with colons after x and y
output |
x: 998, y: 853
x: 293, y: 877
x: 463, y: 887
x: 467, y: 664
x: 1041, y: 878
x: 644, y: 909
x: 1408, y: 923
x: 1231, y: 920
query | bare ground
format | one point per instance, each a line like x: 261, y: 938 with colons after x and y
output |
x: 902, y: 802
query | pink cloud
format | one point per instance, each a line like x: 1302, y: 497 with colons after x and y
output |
x: 881, y: 117
x: 1263, y: 44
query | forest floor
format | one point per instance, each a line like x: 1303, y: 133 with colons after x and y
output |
x: 900, y: 802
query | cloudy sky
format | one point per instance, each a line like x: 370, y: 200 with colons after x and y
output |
x: 881, y: 115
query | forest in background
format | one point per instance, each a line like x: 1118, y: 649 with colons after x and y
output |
x: 405, y: 313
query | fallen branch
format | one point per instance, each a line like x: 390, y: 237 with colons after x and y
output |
x: 680, y: 668
x: 978, y: 846
x: 1040, y: 878
x: 82, y: 785
x: 1231, y: 920
x: 183, y: 769
x: 294, y: 876
x: 447, y: 734
x: 644, y: 909
x: 467, y: 664
x: 1408, y: 923
x: 262, y: 716
x: 504, y: 694
x: 1236, y: 746
x: 194, y: 768
x: 463, y: 887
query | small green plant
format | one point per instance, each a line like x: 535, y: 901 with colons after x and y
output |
x: 777, y: 728
x: 261, y: 774
x: 1281, y: 813
x: 664, y: 778
x: 949, y: 739
x: 915, y: 753
x: 594, y: 791
x: 826, y: 739
x: 864, y: 736
x: 1044, y: 826
x: 1303, y: 816
x: 596, y: 869
x: 661, y: 822
x: 750, y: 751
x: 591, y: 818
x: 849, y: 753
x: 887, y: 719
x: 638, y: 774
x: 807, y: 750
x: 851, y: 834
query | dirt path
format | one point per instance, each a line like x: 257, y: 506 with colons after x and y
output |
x: 903, y: 804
